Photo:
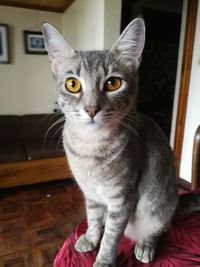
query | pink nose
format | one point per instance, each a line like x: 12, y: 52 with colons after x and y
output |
x: 92, y: 110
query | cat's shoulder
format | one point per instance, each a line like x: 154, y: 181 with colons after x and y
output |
x: 146, y: 122
x: 149, y: 128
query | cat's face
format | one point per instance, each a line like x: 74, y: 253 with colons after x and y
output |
x: 96, y: 89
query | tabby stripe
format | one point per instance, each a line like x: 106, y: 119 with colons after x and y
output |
x: 116, y: 196
x: 111, y: 229
x: 95, y: 206
x: 114, y: 214
x: 91, y: 204
x: 73, y: 152
x: 83, y: 156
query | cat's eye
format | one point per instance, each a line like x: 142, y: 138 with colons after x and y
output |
x: 73, y: 85
x: 112, y: 84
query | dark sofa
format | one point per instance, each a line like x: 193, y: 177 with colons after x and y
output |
x: 11, y: 145
x: 41, y: 135
x: 29, y: 143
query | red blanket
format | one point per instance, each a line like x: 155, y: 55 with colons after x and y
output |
x: 179, y: 247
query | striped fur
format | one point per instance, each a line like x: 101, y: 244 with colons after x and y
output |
x: 120, y: 158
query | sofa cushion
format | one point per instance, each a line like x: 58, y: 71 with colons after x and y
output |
x: 10, y: 129
x: 41, y: 126
x: 11, y: 145
x: 38, y: 150
x: 12, y: 152
x: 42, y: 135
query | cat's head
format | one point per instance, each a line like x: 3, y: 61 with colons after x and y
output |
x: 96, y: 89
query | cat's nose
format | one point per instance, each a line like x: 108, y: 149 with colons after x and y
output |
x: 92, y: 110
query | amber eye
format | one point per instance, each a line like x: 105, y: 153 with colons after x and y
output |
x: 112, y: 84
x: 73, y: 85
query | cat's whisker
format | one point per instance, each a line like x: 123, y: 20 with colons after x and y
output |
x: 130, y: 129
x: 59, y: 140
x: 45, y: 117
x: 50, y: 128
x: 54, y: 116
x: 58, y: 130
x: 133, y: 117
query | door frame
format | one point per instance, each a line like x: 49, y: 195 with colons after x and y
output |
x: 190, y: 27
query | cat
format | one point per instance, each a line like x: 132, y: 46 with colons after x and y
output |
x: 120, y: 158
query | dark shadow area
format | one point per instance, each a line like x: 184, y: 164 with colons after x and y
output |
x: 159, y: 63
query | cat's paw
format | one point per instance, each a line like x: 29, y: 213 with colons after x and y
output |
x: 144, y: 253
x: 98, y: 264
x: 83, y: 245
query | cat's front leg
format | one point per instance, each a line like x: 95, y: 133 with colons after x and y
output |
x: 116, y: 222
x: 95, y: 216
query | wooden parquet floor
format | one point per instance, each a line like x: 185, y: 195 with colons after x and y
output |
x: 35, y: 220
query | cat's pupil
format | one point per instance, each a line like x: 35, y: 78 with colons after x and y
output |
x: 112, y: 81
x: 73, y: 83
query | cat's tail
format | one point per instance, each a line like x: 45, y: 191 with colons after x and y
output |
x: 188, y: 203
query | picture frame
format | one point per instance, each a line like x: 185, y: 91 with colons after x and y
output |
x: 34, y: 43
x: 4, y: 44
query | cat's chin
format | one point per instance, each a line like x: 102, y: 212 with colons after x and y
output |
x: 94, y: 129
x: 93, y: 125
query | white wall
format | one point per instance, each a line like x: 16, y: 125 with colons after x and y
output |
x: 92, y: 24
x: 26, y: 83
x: 112, y: 21
x: 83, y: 24
x: 193, y: 107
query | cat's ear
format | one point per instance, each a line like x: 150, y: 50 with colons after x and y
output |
x: 58, y: 49
x: 130, y: 44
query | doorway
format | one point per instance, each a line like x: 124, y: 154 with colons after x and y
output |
x: 160, y: 56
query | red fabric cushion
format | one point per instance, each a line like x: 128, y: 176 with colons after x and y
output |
x: 179, y: 247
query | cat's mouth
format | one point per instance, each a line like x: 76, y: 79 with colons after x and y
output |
x: 94, y: 123
x: 91, y: 122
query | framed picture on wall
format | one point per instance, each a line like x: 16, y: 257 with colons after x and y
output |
x: 4, y: 44
x: 34, y: 43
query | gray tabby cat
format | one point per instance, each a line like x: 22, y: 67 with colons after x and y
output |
x: 120, y: 158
